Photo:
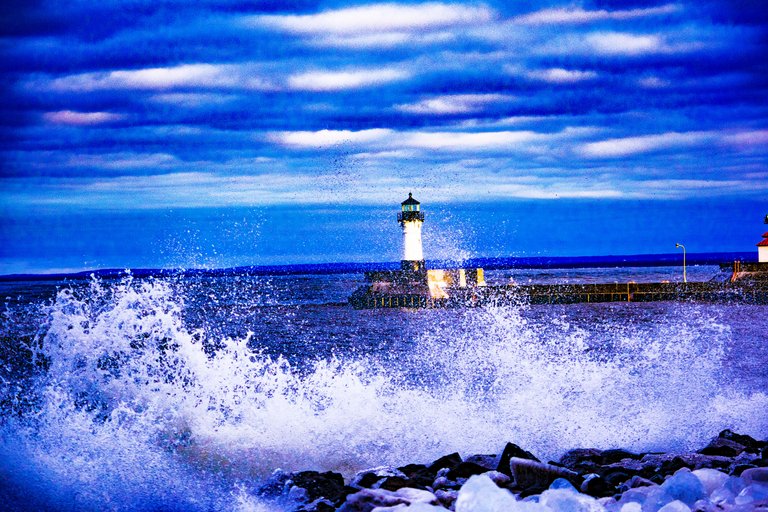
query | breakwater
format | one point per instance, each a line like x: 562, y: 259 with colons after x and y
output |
x: 747, y: 284
x: 729, y: 474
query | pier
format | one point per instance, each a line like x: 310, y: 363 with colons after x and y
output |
x: 717, y: 292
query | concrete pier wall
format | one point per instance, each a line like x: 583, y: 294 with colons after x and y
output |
x: 753, y: 292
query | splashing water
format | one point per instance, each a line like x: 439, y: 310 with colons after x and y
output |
x: 136, y: 409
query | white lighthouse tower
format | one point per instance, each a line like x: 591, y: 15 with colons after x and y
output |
x: 411, y: 218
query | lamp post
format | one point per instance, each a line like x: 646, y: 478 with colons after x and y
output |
x: 678, y: 246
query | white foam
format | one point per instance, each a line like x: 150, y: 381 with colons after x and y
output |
x: 131, y: 399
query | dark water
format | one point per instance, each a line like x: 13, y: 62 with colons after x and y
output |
x: 182, y: 393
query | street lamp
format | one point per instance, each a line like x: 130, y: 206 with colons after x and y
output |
x: 678, y: 246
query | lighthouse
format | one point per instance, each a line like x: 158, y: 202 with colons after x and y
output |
x: 411, y: 218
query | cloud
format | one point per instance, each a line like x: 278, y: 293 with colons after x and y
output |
x: 81, y: 118
x: 192, y: 99
x: 575, y: 15
x: 611, y: 148
x: 653, y: 82
x: 340, y: 80
x: 459, y: 141
x: 124, y: 161
x: 453, y: 104
x: 377, y: 18
x: 382, y: 25
x: 225, y: 76
x: 620, y: 43
x: 561, y: 76
x: 745, y: 139
x: 386, y: 138
x: 326, y: 138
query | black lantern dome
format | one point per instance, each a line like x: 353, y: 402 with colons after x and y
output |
x: 410, y: 210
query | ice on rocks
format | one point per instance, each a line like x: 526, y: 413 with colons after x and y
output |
x: 480, y: 494
x: 569, y: 500
x: 675, y: 506
x: 711, y: 479
x: 562, y: 483
x: 371, y: 499
x: 756, y: 476
x: 684, y: 486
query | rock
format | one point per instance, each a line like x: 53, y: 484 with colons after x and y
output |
x: 480, y: 494
x: 499, y: 478
x: 562, y: 483
x: 447, y: 461
x: 612, y: 479
x: 393, y: 483
x: 595, y: 486
x: 633, y: 483
x: 711, y: 479
x: 529, y: 473
x: 319, y: 505
x: 466, y: 469
x: 627, y: 466
x: 564, y: 499
x: 723, y: 447
x: 738, y: 469
x: 582, y: 458
x: 275, y: 485
x: 367, y: 500
x: 675, y: 506
x: 755, y: 476
x: 316, y: 485
x: 674, y: 464
x: 370, y: 478
x: 419, y: 475
x: 750, y: 444
x: 617, y: 455
x: 684, y: 486
x: 447, y: 498
x: 490, y: 462
x: 704, y: 506
x: 512, y: 450
x: 666, y: 464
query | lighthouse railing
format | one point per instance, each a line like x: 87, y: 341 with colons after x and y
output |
x: 409, y: 216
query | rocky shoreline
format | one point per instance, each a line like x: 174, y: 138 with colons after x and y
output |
x: 729, y: 474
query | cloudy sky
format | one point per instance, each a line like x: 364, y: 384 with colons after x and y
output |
x: 144, y: 107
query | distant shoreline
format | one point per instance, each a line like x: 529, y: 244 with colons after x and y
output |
x: 535, y: 262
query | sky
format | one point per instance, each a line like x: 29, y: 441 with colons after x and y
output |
x: 217, y: 133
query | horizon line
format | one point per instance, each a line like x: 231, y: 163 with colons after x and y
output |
x: 488, y: 263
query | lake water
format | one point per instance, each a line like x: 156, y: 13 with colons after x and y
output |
x: 183, y: 393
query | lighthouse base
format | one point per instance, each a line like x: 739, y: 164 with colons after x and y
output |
x: 415, y: 286
x: 413, y: 266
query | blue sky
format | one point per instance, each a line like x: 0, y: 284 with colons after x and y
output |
x: 144, y: 109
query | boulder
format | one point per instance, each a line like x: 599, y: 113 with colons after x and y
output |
x: 595, y: 486
x: 368, y: 499
x: 419, y: 475
x: 466, y: 469
x: 755, y: 476
x: 616, y: 455
x: 749, y: 443
x: 723, y: 447
x: 316, y: 485
x: 582, y: 458
x: 490, y: 462
x: 447, y: 461
x: 512, y: 450
x: 529, y: 474
x: 372, y: 478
